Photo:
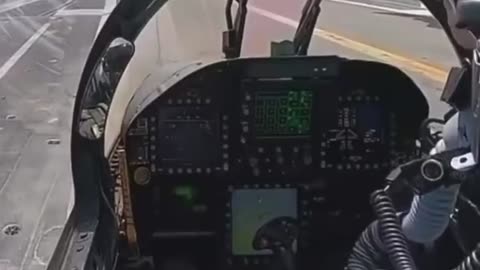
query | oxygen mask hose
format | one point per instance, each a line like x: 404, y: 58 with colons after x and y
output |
x: 395, y: 242
x: 472, y: 262
x: 429, y: 214
x: 382, y: 237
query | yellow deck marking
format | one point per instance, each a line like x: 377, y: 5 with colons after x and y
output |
x: 429, y: 70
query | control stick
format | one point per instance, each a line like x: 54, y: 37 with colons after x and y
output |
x: 278, y: 235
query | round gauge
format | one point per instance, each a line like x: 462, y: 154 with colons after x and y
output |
x: 142, y: 176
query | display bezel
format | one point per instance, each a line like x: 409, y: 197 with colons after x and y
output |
x: 218, y: 165
x: 315, y: 86
x: 351, y: 102
x: 324, y: 94
x: 260, y: 259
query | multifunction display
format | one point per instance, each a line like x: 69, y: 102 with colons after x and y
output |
x: 283, y: 113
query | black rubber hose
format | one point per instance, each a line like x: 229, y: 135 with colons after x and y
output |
x: 471, y: 262
x: 391, y: 234
x: 385, y: 237
x: 368, y: 251
x: 382, y: 245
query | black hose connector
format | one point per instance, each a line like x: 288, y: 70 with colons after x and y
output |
x: 394, y: 241
x: 472, y: 262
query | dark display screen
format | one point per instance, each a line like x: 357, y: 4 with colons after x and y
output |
x: 359, y: 139
x: 252, y: 208
x: 283, y: 113
x: 188, y: 137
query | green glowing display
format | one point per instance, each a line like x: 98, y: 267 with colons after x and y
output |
x: 187, y: 193
x: 285, y: 113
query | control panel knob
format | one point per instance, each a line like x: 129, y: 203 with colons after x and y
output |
x: 142, y: 176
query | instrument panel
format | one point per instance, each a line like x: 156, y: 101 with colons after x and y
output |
x: 274, y: 128
x: 241, y: 143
